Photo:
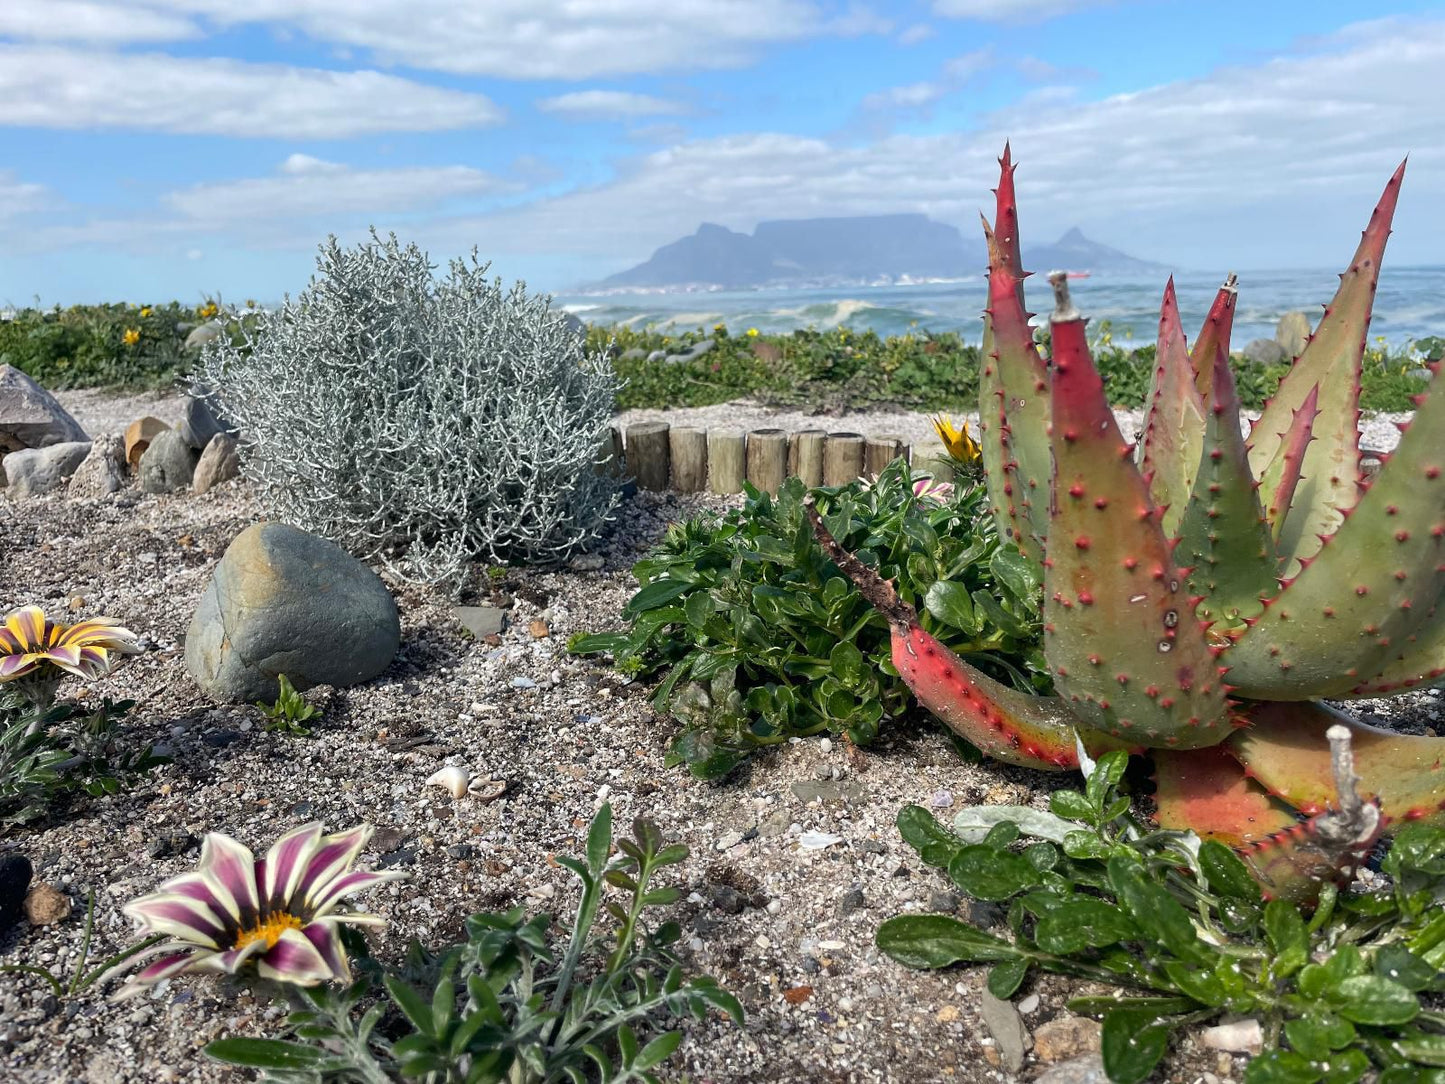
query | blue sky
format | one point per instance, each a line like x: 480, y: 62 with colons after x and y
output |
x: 175, y: 148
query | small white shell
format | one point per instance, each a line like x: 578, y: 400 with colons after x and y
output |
x: 488, y: 790
x: 453, y: 778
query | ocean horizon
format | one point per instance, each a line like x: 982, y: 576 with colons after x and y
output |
x: 1409, y: 305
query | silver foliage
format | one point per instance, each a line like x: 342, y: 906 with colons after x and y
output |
x: 422, y: 421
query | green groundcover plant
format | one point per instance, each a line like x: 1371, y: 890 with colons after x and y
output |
x: 1091, y: 891
x: 757, y: 638
x: 505, y: 1005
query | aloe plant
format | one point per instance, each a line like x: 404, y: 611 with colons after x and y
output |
x: 1203, y: 590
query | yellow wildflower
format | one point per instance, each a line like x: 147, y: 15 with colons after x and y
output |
x: 145, y: 311
x: 752, y: 333
x: 209, y: 309
x: 131, y: 336
x: 956, y: 440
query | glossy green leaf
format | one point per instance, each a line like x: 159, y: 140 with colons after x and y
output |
x: 265, y: 1054
x: 1132, y: 1044
x: 1370, y: 999
x: 1226, y: 873
x: 1282, y: 1067
x: 1005, y: 978
x: 989, y: 874
x: 938, y: 940
x: 1071, y: 805
x: 950, y: 603
x: 655, y: 594
x: 1157, y: 913
x: 1083, y: 923
x: 1286, y: 932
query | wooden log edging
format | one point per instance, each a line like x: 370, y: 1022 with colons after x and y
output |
x: 690, y: 459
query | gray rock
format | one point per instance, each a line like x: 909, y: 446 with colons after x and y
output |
x: 168, y: 464
x: 1421, y: 374
x: 657, y: 355
x: 853, y: 901
x: 282, y: 601
x: 828, y: 791
x: 102, y: 472
x: 39, y: 470
x: 481, y: 620
x: 202, y: 334
x: 220, y: 462
x: 632, y: 354
x: 727, y: 899
x: 15, y: 875
x: 1292, y: 332
x: 1007, y: 1028
x: 1265, y: 352
x: 200, y: 423
x: 945, y: 903
x: 29, y: 415
x: 692, y: 353
x: 1086, y: 1070
x: 576, y: 325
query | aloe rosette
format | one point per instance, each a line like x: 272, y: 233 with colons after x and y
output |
x: 279, y: 915
x: 1203, y: 590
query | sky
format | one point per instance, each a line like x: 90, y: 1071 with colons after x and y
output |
x: 159, y: 149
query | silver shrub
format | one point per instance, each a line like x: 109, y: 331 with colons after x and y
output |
x: 422, y: 421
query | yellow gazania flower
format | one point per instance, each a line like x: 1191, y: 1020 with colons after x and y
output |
x: 29, y: 642
x: 956, y: 440
x: 209, y: 309
x: 145, y: 311
x: 131, y: 336
x: 752, y: 333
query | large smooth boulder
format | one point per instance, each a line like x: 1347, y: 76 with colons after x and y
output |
x: 1293, y: 332
x: 1265, y: 352
x: 102, y: 472
x: 39, y: 470
x: 29, y: 415
x: 283, y: 601
x: 220, y: 462
x: 200, y: 335
x: 168, y: 464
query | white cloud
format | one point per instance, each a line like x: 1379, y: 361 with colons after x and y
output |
x: 1211, y: 169
x: 19, y: 197
x: 609, y: 105
x: 916, y: 33
x: 90, y: 21
x: 312, y: 188
x: 52, y: 87
x: 1011, y: 11
x: 550, y: 39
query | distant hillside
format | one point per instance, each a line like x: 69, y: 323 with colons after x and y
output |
x: 839, y: 251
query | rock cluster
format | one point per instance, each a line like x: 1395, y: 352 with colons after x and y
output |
x: 45, y: 449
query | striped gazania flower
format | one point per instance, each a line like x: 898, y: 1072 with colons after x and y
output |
x: 29, y: 643
x: 278, y: 914
x: 927, y: 488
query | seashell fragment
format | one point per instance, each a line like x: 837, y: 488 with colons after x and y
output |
x: 488, y: 790
x: 452, y: 778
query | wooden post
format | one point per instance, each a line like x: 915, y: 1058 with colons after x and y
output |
x: 726, y: 460
x: 688, y: 445
x: 842, y: 458
x: 805, y: 456
x: 609, y: 453
x: 767, y: 459
x: 878, y: 452
x: 647, y: 458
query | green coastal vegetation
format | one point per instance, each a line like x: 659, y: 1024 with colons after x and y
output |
x: 142, y: 347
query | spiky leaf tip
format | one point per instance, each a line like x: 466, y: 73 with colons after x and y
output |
x: 1174, y: 423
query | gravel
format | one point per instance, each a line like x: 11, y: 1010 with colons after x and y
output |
x: 794, y: 861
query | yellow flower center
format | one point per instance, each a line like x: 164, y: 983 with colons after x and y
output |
x: 270, y: 930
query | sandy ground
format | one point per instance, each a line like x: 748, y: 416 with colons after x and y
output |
x: 576, y: 736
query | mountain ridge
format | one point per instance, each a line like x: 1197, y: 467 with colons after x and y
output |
x: 853, y: 250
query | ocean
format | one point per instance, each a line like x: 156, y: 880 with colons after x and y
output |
x: 1409, y: 305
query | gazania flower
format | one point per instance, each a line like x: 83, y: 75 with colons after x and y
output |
x: 208, y: 310
x: 130, y: 336
x: 960, y: 446
x: 145, y: 311
x: 752, y: 333
x: 926, y: 488
x: 278, y: 914
x: 29, y: 643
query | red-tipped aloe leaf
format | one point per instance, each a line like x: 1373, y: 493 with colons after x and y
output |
x: 1214, y: 336
x: 1015, y: 727
x: 1119, y: 631
x: 1206, y: 791
x: 1223, y: 537
x: 1421, y: 660
x: 1331, y: 362
x: 1285, y: 751
x: 1354, y: 606
x: 1174, y: 425
x: 1280, y: 479
x: 1293, y: 864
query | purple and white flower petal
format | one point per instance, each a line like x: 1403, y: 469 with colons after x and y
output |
x: 327, y: 940
x: 231, y: 868
x: 179, y: 916
x: 295, y: 959
x: 287, y: 862
x: 330, y: 860
x: 355, y: 881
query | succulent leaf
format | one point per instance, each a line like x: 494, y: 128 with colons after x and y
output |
x: 1352, y: 609
x: 1014, y: 398
x: 1208, y: 792
x: 1213, y: 335
x: 1284, y: 749
x: 1331, y: 362
x: 1174, y: 425
x: 1280, y: 479
x: 1223, y: 536
x: 1293, y: 864
x: 1119, y: 630
x: 1421, y: 661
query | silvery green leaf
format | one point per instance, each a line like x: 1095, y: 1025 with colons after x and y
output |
x: 975, y: 822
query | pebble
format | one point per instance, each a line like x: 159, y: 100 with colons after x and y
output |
x: 775, y: 907
x: 817, y: 841
x: 1007, y: 1028
x: 46, y: 905
x: 727, y: 899
x: 945, y: 903
x: 851, y: 902
x: 1029, y: 1004
x: 826, y: 745
x: 729, y: 841
x: 1066, y: 1037
x: 523, y: 683
x: 941, y: 799
x: 1086, y: 1070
